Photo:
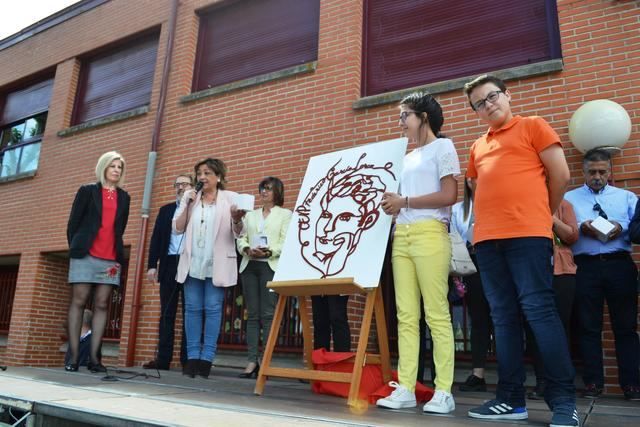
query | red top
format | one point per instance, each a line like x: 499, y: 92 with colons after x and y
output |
x: 104, y: 245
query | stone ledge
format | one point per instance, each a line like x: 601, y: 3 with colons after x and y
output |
x: 18, y: 177
x: 309, y: 67
x: 522, y: 71
x: 102, y: 121
x: 109, y: 348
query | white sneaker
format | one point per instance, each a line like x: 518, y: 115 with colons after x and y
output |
x: 441, y: 403
x: 399, y: 398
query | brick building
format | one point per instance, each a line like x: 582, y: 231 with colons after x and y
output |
x: 263, y: 85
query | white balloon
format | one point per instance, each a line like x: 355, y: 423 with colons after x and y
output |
x: 599, y: 123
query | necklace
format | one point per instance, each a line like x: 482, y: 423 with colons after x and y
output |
x: 111, y: 193
x: 202, y: 231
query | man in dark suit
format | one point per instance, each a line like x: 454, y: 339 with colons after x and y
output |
x: 163, y: 260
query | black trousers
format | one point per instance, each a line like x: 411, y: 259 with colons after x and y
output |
x: 564, y: 288
x: 330, y: 318
x: 480, y: 314
x: 170, y: 292
x: 616, y: 281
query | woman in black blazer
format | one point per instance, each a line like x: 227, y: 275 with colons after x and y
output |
x: 96, y: 225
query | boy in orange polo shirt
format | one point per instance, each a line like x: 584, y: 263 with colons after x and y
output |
x: 520, y: 175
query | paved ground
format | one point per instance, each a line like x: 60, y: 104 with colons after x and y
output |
x: 227, y: 400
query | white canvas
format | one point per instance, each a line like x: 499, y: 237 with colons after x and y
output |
x: 338, y: 228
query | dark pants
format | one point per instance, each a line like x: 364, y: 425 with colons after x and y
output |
x: 480, y: 320
x: 616, y: 281
x: 260, y: 303
x: 330, y: 317
x: 516, y: 277
x: 170, y: 292
x: 84, y: 351
x: 564, y: 288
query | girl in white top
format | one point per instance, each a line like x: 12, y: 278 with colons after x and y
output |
x: 422, y: 251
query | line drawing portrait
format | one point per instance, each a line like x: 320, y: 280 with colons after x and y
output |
x: 337, y: 210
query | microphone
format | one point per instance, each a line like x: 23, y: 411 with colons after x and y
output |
x: 198, y: 187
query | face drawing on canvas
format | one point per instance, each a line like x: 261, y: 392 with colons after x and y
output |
x: 341, y: 206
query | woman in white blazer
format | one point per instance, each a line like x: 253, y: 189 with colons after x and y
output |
x: 210, y: 223
x: 261, y: 245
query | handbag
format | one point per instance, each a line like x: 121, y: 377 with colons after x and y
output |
x: 461, y: 263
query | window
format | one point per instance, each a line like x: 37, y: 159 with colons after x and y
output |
x: 8, y: 280
x: 410, y: 43
x: 116, y: 81
x: 248, y: 38
x: 22, y: 123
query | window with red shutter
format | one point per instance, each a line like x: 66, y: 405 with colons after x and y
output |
x: 118, y: 80
x: 410, y: 43
x: 248, y: 38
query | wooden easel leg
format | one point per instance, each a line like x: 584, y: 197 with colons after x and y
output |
x: 383, y: 339
x: 271, y: 344
x: 307, y: 337
x: 363, y: 340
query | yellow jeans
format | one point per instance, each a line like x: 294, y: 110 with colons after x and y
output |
x: 420, y: 259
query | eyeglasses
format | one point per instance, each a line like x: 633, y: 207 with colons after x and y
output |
x: 601, y: 212
x: 182, y: 185
x: 405, y: 114
x: 492, y: 97
x: 266, y: 188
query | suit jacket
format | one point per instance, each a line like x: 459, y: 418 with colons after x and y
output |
x: 225, y: 266
x: 275, y: 228
x: 86, y: 217
x: 161, y: 238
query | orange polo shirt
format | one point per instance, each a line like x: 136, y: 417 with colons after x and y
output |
x: 511, y: 198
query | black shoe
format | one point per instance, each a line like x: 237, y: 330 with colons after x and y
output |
x: 96, y: 368
x: 154, y: 364
x: 592, y: 391
x: 204, y: 368
x: 632, y: 393
x: 474, y: 383
x: 190, y: 368
x: 71, y: 367
x: 252, y: 374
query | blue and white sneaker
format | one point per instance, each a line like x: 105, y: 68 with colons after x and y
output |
x: 565, y: 416
x: 499, y: 410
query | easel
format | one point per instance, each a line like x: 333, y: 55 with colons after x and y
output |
x: 304, y: 288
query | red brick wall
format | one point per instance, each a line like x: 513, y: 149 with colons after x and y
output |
x: 272, y: 128
x: 40, y: 307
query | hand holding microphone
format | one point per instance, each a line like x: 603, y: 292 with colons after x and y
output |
x: 190, y: 195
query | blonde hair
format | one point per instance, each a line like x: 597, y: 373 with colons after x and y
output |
x: 103, y: 163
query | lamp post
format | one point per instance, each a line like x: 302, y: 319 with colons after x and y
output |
x: 600, y: 124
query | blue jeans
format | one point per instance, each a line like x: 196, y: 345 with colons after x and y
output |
x: 202, y: 302
x: 516, y: 276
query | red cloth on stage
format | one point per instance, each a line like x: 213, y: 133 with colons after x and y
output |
x: 343, y: 362
x: 104, y: 245
x: 372, y: 386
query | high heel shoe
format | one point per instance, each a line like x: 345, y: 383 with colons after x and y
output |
x: 252, y: 374
x: 71, y: 367
x: 96, y: 368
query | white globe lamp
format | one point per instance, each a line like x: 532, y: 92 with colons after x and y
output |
x: 600, y: 124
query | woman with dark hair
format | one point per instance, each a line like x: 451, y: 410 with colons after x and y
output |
x: 422, y: 251
x: 260, y: 247
x: 96, y: 225
x: 462, y: 221
x: 210, y: 222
